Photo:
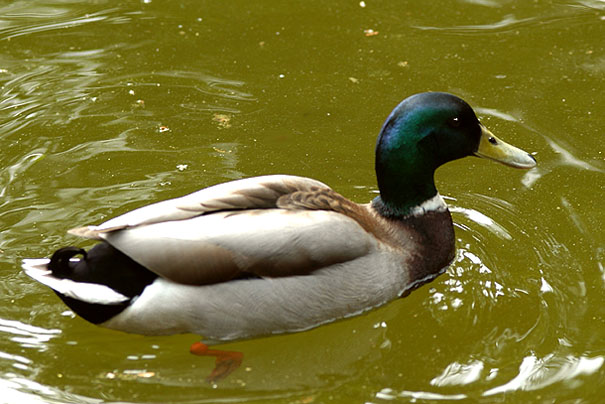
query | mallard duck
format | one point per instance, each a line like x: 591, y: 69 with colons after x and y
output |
x: 278, y: 253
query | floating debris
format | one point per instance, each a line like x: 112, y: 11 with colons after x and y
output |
x: 216, y: 149
x: 163, y: 129
x: 370, y: 32
x: 129, y: 374
x: 223, y: 120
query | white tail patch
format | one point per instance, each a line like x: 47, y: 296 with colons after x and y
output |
x: 86, y: 292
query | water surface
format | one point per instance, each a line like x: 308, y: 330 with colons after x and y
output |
x: 106, y: 106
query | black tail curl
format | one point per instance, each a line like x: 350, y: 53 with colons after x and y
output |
x: 59, y: 262
x: 101, y: 265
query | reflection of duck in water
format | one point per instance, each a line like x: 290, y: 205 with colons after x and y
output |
x: 278, y: 253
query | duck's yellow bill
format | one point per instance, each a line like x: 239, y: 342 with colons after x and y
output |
x: 490, y: 147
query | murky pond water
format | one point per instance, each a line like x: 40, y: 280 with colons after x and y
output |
x: 106, y: 106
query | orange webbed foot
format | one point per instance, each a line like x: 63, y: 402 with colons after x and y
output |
x: 226, y: 361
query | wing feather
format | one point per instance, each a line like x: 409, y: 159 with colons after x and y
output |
x: 268, y: 226
x: 250, y: 193
x: 222, y: 246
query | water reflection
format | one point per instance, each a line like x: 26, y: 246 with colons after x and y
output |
x: 41, y: 88
x: 28, y: 336
x: 459, y: 374
x: 18, y: 389
x: 10, y: 173
x: 483, y: 220
x: 568, y: 158
x: 536, y: 373
x: 8, y: 33
x: 390, y: 394
x: 18, y: 361
x: 596, y: 4
x: 510, y: 22
x: 14, y: 386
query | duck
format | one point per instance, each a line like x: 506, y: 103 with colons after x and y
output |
x: 278, y: 254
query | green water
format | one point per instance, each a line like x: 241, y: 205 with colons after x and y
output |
x: 106, y: 106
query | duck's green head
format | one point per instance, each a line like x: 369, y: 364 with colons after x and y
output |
x: 423, y: 132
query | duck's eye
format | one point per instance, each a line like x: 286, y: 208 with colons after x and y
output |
x: 492, y: 140
x: 454, y: 122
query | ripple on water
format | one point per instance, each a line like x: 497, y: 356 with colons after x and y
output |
x: 534, y: 374
x: 49, y: 94
x: 28, y: 336
x: 22, y: 18
x: 512, y: 22
x: 537, y: 373
x: 508, y: 304
x: 18, y: 389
